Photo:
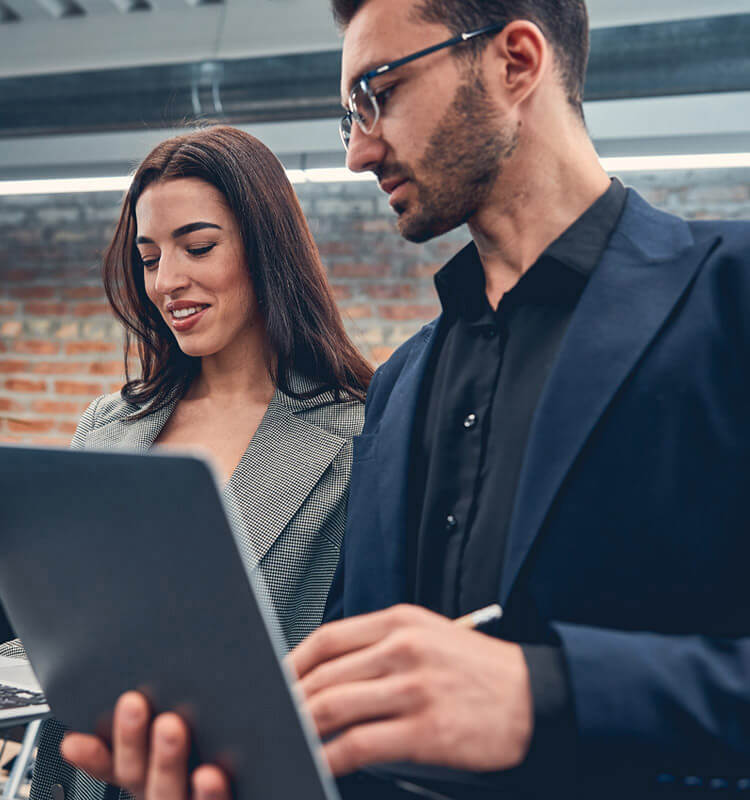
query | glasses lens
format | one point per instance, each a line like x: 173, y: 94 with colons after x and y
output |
x: 345, y: 129
x: 363, y: 107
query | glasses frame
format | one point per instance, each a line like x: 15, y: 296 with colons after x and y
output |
x: 363, y: 82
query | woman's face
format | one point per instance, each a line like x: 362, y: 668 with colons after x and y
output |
x: 194, y: 266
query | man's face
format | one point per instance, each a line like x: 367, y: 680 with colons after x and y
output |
x: 438, y: 147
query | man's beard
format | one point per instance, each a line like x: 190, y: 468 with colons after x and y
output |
x: 460, y: 166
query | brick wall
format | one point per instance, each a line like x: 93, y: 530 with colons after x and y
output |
x: 60, y: 347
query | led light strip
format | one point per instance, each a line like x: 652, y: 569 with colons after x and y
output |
x: 664, y: 163
x: 120, y: 183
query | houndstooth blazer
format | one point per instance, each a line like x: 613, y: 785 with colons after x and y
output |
x: 288, y: 495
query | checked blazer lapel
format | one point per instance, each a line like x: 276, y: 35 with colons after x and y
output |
x: 284, y: 461
x: 124, y: 434
x: 648, y: 265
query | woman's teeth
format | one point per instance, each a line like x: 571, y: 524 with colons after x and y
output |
x: 180, y: 313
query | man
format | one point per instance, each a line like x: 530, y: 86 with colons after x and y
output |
x: 569, y: 439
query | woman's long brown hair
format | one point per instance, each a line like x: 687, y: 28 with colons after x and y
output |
x: 303, y: 324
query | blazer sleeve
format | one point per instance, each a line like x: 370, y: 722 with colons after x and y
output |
x: 666, y: 704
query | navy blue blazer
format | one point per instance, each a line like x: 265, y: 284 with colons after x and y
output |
x: 630, y: 537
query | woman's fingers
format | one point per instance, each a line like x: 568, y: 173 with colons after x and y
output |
x: 167, y: 776
x: 88, y: 753
x: 148, y: 759
x: 210, y: 783
x: 130, y: 741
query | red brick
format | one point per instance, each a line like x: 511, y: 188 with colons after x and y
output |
x: 30, y: 425
x: 358, y: 270
x: 84, y: 293
x: 37, y: 348
x: 7, y: 366
x: 34, y: 292
x: 20, y: 275
x: 336, y: 249
x: 67, y: 427
x: 77, y: 348
x: 3, y: 347
x: 11, y: 327
x: 115, y: 386
x: 410, y: 311
x: 7, y: 309
x: 24, y: 385
x: 6, y: 405
x: 390, y: 291
x: 423, y: 270
x: 46, y: 309
x: 57, y: 407
x: 91, y: 309
x: 59, y: 367
x: 78, y: 387
x: 341, y: 292
x: 381, y: 354
x: 106, y: 368
x: 357, y: 312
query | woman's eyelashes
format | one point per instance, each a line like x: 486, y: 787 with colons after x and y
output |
x: 201, y: 250
x: 151, y: 262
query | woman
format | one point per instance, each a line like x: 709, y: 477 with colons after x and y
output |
x: 243, y: 355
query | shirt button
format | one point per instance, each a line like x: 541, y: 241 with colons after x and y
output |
x: 489, y: 333
x: 470, y: 421
x: 450, y: 522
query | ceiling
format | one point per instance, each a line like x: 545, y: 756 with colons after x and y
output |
x: 88, y: 85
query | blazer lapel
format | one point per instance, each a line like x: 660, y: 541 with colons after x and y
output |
x: 125, y: 434
x: 649, y: 263
x: 284, y: 461
x: 392, y: 464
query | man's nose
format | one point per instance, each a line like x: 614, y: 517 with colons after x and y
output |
x: 366, y: 150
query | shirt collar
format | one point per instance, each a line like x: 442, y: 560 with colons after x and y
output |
x: 460, y: 283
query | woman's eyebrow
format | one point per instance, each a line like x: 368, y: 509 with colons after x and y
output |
x: 193, y: 226
x: 181, y: 231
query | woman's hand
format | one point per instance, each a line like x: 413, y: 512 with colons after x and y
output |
x: 148, y: 758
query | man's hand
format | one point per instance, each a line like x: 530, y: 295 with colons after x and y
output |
x: 405, y: 684
x: 149, y: 759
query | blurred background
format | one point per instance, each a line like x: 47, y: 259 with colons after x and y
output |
x: 87, y: 87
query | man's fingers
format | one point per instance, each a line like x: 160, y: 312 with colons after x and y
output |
x: 130, y: 735
x: 348, y: 635
x: 210, y: 783
x: 88, y: 753
x: 374, y: 743
x: 167, y: 775
x: 339, y: 707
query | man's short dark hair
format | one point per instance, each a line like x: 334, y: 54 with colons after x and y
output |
x: 563, y: 22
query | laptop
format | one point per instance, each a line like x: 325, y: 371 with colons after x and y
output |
x: 121, y: 571
x: 21, y: 696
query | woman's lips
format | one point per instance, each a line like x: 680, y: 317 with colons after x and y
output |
x: 185, y: 323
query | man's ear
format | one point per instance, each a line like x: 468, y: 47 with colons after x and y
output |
x: 521, y: 56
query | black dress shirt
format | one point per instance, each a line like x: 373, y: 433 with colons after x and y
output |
x: 480, y: 390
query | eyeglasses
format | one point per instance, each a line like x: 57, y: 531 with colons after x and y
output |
x: 363, y: 101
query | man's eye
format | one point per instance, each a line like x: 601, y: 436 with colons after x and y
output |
x: 384, y: 95
x: 202, y: 250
